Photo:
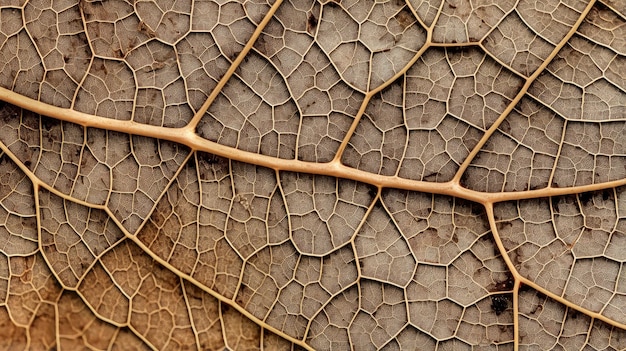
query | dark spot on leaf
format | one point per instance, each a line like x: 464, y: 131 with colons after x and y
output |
x: 404, y: 18
x: 371, y: 191
x: 586, y: 198
x: 505, y: 285
x: 208, y: 159
x: 477, y: 210
x: 503, y: 225
x: 311, y: 23
x: 47, y: 124
x: 555, y: 205
x: 499, y: 303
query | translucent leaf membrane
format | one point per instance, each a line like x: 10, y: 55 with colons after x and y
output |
x: 299, y: 175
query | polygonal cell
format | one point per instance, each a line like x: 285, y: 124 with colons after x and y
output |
x: 142, y: 170
x: 286, y: 313
x: 321, y: 136
x: 462, y: 21
x: 265, y: 274
x: 168, y: 20
x: 515, y: 44
x: 239, y: 331
x: 482, y: 89
x: 33, y: 289
x: 308, y: 284
x: 539, y: 249
x: 201, y: 65
x: 72, y: 236
x: 60, y: 38
x: 439, y: 318
x: 22, y: 69
x: 187, y: 226
x: 551, y: 19
x: 584, y: 82
x: 326, y: 103
x: 324, y: 211
x: 227, y: 22
x: 57, y: 145
x: 11, y: 21
x: 205, y: 15
x: 435, y: 155
x: 18, y: 224
x: 475, y: 272
x: 254, y: 112
x: 596, y: 224
x: 604, y: 26
x: 204, y: 310
x: 379, y: 141
x: 591, y: 153
x: 437, y: 228
x: 158, y: 78
x: 107, y: 91
x: 257, y: 215
x: 466, y: 281
x: 426, y: 10
x: 113, y: 28
x: 562, y: 244
x: 315, y: 282
x: 295, y: 22
x: 489, y: 322
x: 158, y: 307
x: 428, y: 284
x: 428, y: 85
x: 382, y: 315
x: 159, y: 312
x: 330, y: 329
x: 101, y: 293
x: 452, y: 96
x: 384, y: 254
x: 79, y: 328
x: 521, y: 154
x: 592, y: 284
x: 545, y: 323
x: 369, y: 42
x: 339, y: 270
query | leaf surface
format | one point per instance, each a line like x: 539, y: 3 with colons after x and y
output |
x: 297, y: 174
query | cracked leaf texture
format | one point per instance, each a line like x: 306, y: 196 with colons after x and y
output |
x: 312, y: 175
